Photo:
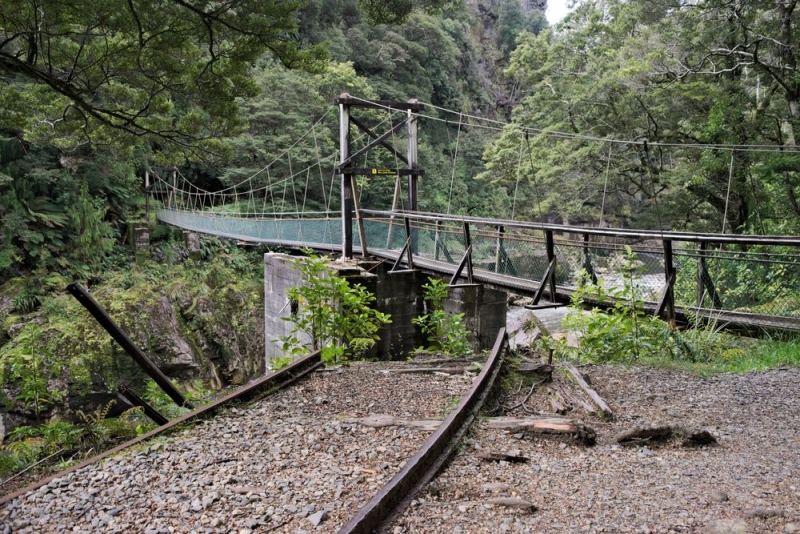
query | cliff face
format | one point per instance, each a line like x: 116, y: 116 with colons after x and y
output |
x: 495, y: 24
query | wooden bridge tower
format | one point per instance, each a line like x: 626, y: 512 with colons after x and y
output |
x: 349, y: 171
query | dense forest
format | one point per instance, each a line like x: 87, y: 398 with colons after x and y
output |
x: 657, y: 114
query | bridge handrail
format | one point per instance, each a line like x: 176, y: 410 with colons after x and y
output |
x: 792, y: 241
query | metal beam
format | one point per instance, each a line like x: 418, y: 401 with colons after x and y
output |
x: 347, y: 100
x: 135, y: 400
x: 100, y: 315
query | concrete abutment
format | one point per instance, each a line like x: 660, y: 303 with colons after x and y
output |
x: 398, y: 294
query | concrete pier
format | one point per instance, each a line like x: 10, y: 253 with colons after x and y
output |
x: 398, y: 294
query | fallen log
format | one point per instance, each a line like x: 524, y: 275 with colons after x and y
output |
x: 659, y: 434
x: 576, y: 402
x: 503, y: 457
x: 545, y: 425
x: 596, y: 399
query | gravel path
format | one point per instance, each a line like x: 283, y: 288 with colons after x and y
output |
x: 287, y: 464
x: 749, y: 482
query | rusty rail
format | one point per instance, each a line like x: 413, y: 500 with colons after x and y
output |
x: 431, y: 457
x: 255, y: 389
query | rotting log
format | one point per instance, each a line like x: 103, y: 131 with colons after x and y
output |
x: 659, y: 434
x: 575, y: 402
x: 503, y: 457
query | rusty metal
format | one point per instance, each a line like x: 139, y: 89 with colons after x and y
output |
x: 431, y: 457
x: 276, y: 380
x: 138, y: 355
x: 127, y: 395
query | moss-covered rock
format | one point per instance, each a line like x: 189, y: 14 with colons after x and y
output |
x: 200, y: 322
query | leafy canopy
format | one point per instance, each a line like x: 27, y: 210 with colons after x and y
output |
x: 113, y: 72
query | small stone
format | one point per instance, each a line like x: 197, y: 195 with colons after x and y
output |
x: 317, y: 518
x: 513, y: 503
x: 496, y: 487
x: 726, y: 526
x: 791, y: 528
x: 718, y: 496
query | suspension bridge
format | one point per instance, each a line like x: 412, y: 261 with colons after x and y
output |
x: 305, y: 198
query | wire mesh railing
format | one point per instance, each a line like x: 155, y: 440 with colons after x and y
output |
x: 744, y: 276
x: 757, y: 276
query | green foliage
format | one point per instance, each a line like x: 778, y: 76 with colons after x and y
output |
x: 93, y: 427
x: 168, y: 72
x: 27, y: 300
x: 163, y: 403
x: 332, y: 314
x: 397, y: 11
x: 611, y: 71
x: 622, y: 334
x: 56, y: 436
x: 446, y: 331
x: 31, y: 366
x: 28, y: 445
x: 280, y: 362
x: 93, y: 237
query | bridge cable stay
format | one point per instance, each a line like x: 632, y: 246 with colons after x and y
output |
x: 728, y: 194
x: 455, y: 159
x: 497, y: 125
x: 198, y: 199
x: 605, y: 188
x: 516, y: 184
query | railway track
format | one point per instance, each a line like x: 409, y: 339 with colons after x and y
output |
x: 273, y: 458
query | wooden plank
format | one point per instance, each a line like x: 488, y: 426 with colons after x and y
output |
x: 596, y: 399
x: 415, y: 370
x: 545, y: 425
x: 384, y: 420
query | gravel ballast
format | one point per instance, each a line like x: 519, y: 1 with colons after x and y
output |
x: 749, y: 482
x: 288, y: 463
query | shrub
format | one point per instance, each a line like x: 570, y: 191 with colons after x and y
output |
x: 445, y: 331
x: 336, y: 316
